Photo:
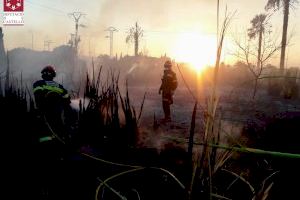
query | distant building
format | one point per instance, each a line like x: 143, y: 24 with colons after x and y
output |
x: 2, y: 53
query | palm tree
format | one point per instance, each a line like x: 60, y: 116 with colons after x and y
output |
x: 258, y: 28
x: 134, y: 35
x: 276, y: 4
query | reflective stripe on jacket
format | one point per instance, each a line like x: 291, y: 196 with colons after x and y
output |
x: 50, y: 86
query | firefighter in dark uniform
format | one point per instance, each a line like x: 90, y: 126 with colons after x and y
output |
x: 53, y: 143
x: 51, y: 99
x: 167, y: 88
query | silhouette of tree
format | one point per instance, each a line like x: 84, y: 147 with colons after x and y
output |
x: 276, y: 4
x: 247, y: 51
x: 258, y: 28
x: 134, y: 35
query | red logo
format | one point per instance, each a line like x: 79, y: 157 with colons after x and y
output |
x: 13, y: 5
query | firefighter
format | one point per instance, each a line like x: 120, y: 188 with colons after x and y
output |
x: 51, y: 99
x: 54, y: 145
x: 47, y: 92
x: 167, y: 88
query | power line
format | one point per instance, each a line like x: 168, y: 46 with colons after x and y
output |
x: 47, y: 7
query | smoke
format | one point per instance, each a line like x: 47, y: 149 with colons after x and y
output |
x: 112, y: 11
x: 161, y: 139
x: 132, y: 68
x: 30, y: 63
x: 160, y: 20
x: 151, y: 15
x: 75, y: 103
x: 155, y: 13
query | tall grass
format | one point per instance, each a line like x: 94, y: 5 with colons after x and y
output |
x: 109, y: 120
x: 206, y: 164
x: 16, y: 118
x: 208, y: 167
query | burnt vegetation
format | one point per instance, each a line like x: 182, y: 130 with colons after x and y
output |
x: 241, y: 143
x: 102, y: 158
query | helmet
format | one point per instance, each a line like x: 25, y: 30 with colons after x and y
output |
x: 168, y: 64
x: 48, y: 72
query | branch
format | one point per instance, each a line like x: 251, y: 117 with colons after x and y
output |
x: 246, y: 52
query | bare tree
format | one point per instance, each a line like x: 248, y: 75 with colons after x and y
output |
x: 276, y: 4
x: 134, y: 35
x: 249, y: 53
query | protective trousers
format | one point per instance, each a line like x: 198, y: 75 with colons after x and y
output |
x: 167, y: 100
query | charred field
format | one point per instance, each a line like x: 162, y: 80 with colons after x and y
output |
x: 77, y: 122
x: 120, y: 149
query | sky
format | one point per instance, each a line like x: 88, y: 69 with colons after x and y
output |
x: 176, y: 28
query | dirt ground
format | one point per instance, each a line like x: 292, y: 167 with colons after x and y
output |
x: 234, y: 109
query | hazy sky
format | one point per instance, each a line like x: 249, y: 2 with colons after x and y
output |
x: 170, y: 26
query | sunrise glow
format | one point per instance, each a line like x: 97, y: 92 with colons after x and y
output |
x: 195, y: 49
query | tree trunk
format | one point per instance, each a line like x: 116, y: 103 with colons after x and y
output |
x: 255, y: 88
x: 286, y: 6
x: 136, y: 45
x: 259, y: 46
x: 136, y: 40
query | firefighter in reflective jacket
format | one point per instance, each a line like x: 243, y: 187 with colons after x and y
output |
x: 167, y: 88
x: 53, y: 141
x: 48, y: 93
x: 51, y: 99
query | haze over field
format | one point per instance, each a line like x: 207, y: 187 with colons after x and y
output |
x: 184, y: 30
x: 168, y: 99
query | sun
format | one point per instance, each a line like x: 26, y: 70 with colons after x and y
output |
x: 195, y: 49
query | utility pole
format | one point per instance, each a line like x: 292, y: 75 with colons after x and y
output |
x: 76, y: 16
x: 47, y: 44
x: 89, y: 47
x: 71, y: 41
x: 32, y: 40
x: 218, y: 10
x: 111, y: 31
x: 2, y: 53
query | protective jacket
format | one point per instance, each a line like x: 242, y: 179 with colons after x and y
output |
x: 51, y: 99
x: 50, y: 94
x: 168, y: 85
